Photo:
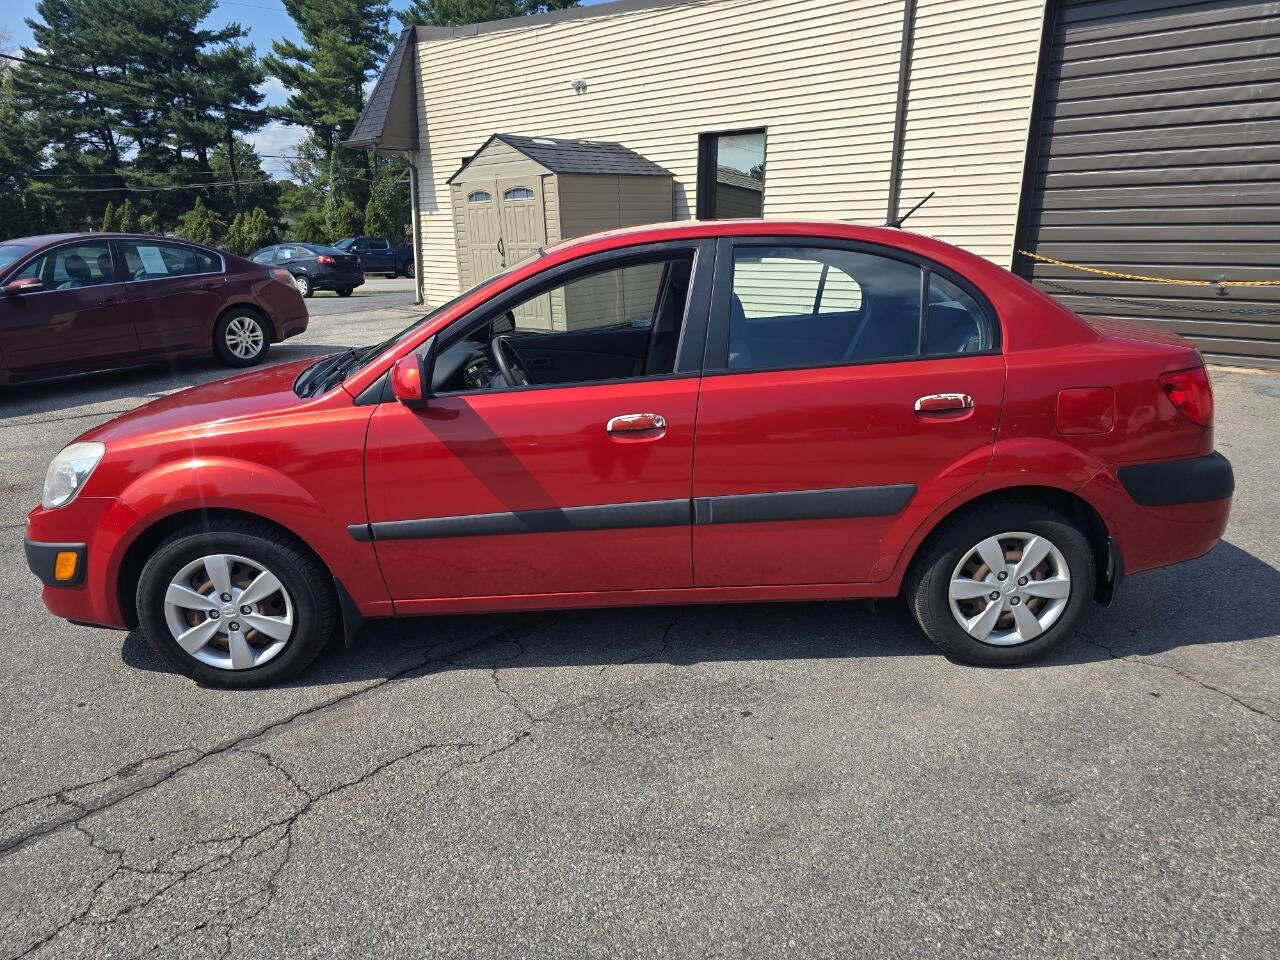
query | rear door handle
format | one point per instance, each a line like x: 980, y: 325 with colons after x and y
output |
x: 944, y: 403
x: 636, y: 423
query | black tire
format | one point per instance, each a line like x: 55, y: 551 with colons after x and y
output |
x: 303, y: 576
x: 928, y: 582
x: 345, y: 291
x: 304, y: 285
x: 236, y: 332
x: 408, y: 270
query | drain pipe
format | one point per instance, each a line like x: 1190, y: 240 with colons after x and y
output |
x: 416, y: 244
x: 900, y: 115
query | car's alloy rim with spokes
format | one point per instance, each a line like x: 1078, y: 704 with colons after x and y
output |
x: 229, y: 612
x: 244, y: 337
x: 1009, y: 589
x: 303, y: 285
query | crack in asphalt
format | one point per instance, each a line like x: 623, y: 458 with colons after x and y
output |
x: 79, y: 811
x: 1178, y: 671
x: 226, y: 851
x: 654, y: 654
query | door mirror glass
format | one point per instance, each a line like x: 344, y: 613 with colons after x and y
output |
x: 23, y: 285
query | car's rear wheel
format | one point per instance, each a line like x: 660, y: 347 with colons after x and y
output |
x: 303, y: 283
x: 235, y: 604
x: 345, y: 291
x: 1004, y: 584
x: 240, y: 338
x: 408, y: 269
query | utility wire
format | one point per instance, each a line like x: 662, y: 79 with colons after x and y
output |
x: 180, y: 186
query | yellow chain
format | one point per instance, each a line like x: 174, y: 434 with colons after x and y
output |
x: 1147, y: 279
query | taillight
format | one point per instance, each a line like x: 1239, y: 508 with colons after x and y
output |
x: 325, y: 260
x: 1189, y: 391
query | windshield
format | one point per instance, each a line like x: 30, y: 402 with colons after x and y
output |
x: 345, y: 243
x: 328, y: 372
x: 10, y: 252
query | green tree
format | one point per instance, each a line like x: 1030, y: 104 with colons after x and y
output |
x: 309, y: 227
x: 149, y: 223
x: 127, y: 217
x: 452, y: 13
x: 135, y: 93
x: 201, y: 225
x: 346, y: 222
x: 388, y: 212
x: 343, y: 45
x: 340, y: 193
x: 109, y: 221
x: 249, y: 232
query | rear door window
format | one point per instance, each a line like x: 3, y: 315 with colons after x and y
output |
x: 148, y: 260
x: 810, y: 307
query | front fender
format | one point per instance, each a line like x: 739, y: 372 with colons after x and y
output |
x: 201, y: 484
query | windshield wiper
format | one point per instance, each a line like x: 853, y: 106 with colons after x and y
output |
x: 303, y: 386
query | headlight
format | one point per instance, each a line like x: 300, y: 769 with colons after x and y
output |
x: 68, y: 472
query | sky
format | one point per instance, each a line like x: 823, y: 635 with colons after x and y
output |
x: 266, y: 20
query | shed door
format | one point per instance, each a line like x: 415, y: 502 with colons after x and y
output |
x: 1159, y: 139
x: 524, y: 232
x: 484, y: 228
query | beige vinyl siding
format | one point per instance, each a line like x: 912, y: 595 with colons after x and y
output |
x: 972, y: 81
x: 821, y: 80
x: 820, y: 75
x: 593, y: 203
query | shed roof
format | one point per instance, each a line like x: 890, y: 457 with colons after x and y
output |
x: 575, y: 156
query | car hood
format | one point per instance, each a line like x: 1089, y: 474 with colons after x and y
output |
x: 246, y: 395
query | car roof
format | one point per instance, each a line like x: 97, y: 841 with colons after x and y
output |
x: 45, y: 239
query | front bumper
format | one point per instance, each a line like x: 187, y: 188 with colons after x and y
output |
x: 42, y: 560
x: 97, y: 528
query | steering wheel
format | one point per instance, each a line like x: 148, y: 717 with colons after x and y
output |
x: 509, y: 363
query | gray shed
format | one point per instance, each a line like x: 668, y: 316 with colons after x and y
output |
x: 517, y: 194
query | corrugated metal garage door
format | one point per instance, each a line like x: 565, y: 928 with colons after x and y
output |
x: 1159, y: 155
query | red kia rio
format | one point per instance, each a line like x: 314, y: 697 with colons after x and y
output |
x: 698, y: 412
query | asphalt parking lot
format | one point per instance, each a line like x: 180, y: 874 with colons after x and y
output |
x: 772, y: 780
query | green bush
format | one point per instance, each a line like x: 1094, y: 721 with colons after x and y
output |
x: 127, y: 217
x: 249, y: 232
x: 109, y: 218
x: 201, y: 225
x: 309, y: 227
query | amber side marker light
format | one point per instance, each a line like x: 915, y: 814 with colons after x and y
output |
x: 64, y: 565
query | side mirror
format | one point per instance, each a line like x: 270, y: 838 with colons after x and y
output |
x: 23, y: 285
x: 411, y: 376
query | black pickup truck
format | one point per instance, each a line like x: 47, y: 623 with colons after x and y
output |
x: 379, y: 255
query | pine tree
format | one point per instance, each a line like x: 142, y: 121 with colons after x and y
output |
x: 201, y: 225
x: 344, y: 44
x: 109, y: 224
x: 126, y: 217
x: 452, y: 13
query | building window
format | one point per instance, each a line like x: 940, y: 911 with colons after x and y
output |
x: 479, y: 196
x: 731, y: 175
x: 517, y: 193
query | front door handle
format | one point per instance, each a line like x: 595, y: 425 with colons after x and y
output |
x: 944, y: 403
x: 111, y: 302
x: 637, y: 423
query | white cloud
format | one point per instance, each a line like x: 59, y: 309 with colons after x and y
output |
x: 277, y: 138
x: 274, y: 90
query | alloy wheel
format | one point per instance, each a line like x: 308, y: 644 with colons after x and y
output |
x: 244, y: 337
x: 1009, y: 589
x: 229, y: 612
x: 303, y: 285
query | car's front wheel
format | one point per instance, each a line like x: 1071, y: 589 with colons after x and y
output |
x: 240, y: 338
x: 1004, y: 584
x: 303, y: 283
x: 235, y: 604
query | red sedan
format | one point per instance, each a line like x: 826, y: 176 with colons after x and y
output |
x: 76, y: 302
x: 689, y: 413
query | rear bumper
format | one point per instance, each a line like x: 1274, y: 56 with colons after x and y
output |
x: 334, y: 281
x: 1165, y: 512
x: 1198, y: 480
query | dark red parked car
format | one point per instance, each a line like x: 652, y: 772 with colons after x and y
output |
x: 689, y: 413
x: 76, y: 302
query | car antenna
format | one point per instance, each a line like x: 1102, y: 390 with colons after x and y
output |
x: 899, y: 221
